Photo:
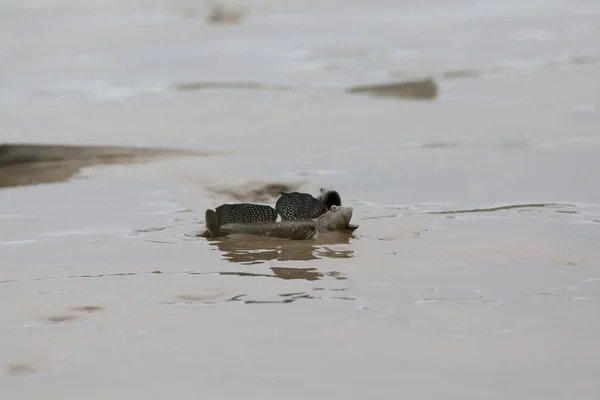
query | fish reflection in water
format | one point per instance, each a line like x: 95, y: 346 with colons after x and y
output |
x: 308, y: 274
x: 256, y: 249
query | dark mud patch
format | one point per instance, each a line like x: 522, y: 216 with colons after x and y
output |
x: 440, y: 145
x: 20, y: 369
x: 87, y: 309
x: 32, y: 164
x: 59, y: 319
x: 219, y: 15
x: 14, y: 154
x: 425, y: 89
x: 255, y: 191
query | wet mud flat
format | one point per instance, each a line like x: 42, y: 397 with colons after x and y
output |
x: 475, y: 264
x: 463, y: 292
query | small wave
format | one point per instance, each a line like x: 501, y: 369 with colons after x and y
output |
x: 511, y: 66
x: 209, y: 85
x: 16, y: 242
x: 100, y: 90
x: 16, y: 216
x: 110, y: 91
x: 123, y: 20
x: 94, y: 230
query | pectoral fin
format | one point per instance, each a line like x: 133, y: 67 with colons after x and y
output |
x: 297, y: 205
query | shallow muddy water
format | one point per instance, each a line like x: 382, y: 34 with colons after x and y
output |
x: 475, y: 270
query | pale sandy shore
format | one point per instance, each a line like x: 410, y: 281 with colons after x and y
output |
x: 474, y: 274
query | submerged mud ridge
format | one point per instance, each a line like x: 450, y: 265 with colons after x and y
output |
x: 221, y: 15
x: 31, y: 164
x: 425, y: 89
x: 20, y: 369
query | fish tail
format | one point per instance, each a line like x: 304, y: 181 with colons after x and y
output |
x: 213, y: 222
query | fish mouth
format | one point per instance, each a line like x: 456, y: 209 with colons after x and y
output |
x: 350, y: 228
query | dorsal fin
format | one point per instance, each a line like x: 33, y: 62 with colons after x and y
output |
x: 245, y: 213
x: 297, y: 205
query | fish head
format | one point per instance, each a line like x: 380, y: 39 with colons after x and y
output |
x: 337, y: 218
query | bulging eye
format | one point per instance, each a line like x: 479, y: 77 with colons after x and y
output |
x: 333, y: 207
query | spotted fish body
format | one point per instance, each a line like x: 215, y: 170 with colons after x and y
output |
x: 336, y: 219
x: 295, y: 205
x: 245, y: 213
x: 302, y: 217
